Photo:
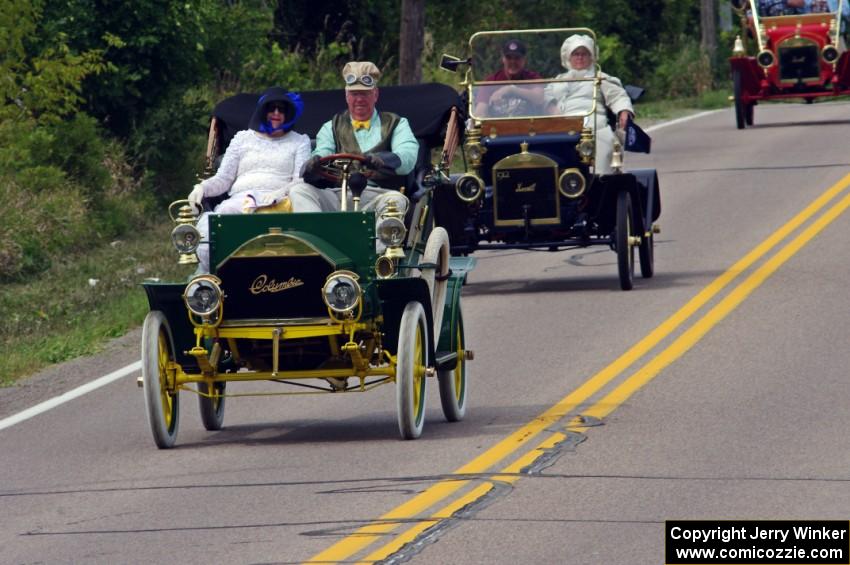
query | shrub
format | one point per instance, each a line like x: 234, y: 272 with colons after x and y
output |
x: 63, y: 188
x: 38, y: 225
x: 681, y: 71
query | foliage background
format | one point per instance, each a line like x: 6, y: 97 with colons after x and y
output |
x: 104, y: 104
x: 132, y: 81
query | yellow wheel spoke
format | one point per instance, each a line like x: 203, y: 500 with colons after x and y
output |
x: 166, y: 399
x: 418, y: 371
x: 459, y: 367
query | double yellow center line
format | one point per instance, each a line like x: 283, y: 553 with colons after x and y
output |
x: 408, y: 511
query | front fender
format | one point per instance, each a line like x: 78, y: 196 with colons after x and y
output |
x: 168, y: 299
x: 394, y: 295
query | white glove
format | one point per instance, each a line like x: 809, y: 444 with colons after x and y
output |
x: 196, y: 196
x: 249, y: 205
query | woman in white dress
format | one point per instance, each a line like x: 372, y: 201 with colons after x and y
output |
x: 260, y: 164
x: 578, y: 56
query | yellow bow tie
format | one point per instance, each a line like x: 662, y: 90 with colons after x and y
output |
x: 360, y: 125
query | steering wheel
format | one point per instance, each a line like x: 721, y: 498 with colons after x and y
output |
x: 509, y: 105
x: 335, y: 166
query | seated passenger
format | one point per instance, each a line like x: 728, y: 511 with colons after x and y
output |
x: 260, y: 164
x: 383, y: 138
x: 576, y: 98
x: 511, y: 99
x: 771, y: 8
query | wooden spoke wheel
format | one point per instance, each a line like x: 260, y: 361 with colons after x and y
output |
x: 740, y: 110
x: 646, y: 254
x: 437, y: 253
x: 454, y: 387
x: 212, y: 406
x: 623, y: 240
x: 161, y: 397
x: 411, y: 362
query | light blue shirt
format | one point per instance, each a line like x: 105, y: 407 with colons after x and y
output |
x: 403, y: 143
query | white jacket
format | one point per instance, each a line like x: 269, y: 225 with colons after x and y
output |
x: 259, y: 164
x: 576, y: 98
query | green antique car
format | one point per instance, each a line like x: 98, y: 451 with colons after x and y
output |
x: 305, y: 302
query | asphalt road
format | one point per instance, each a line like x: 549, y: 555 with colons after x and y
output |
x: 715, y: 390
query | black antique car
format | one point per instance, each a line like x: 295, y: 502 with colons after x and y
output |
x: 304, y: 301
x: 532, y: 180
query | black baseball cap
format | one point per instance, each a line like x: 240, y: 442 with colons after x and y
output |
x: 513, y: 47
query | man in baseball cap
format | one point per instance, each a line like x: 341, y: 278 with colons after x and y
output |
x: 510, y: 99
x: 514, y: 47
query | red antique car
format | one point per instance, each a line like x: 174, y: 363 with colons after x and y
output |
x: 786, y: 53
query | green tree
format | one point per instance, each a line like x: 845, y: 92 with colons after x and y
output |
x: 40, y: 78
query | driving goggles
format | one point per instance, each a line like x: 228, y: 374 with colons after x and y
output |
x: 365, y: 80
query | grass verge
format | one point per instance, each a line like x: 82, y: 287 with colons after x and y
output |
x: 73, y: 308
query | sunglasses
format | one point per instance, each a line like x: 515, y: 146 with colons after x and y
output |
x: 279, y: 106
x: 365, y: 80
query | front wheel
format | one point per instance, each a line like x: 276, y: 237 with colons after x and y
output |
x: 623, y: 240
x: 411, y: 360
x: 738, y: 91
x: 454, y: 387
x: 211, y: 403
x: 161, y: 398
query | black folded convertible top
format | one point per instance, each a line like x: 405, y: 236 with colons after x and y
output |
x: 426, y: 107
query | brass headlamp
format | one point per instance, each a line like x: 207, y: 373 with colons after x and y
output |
x: 185, y: 236
x: 393, y: 220
x: 586, y: 146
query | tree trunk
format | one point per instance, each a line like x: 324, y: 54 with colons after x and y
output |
x: 708, y: 27
x: 411, y: 41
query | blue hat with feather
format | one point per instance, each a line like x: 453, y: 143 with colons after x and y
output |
x: 276, y: 94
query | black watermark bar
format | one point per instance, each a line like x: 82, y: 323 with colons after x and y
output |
x: 757, y: 542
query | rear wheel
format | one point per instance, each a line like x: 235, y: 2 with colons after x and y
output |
x: 623, y: 240
x: 412, y: 356
x: 212, y: 406
x: 454, y: 383
x: 437, y: 253
x: 646, y: 253
x: 738, y: 90
x: 161, y: 398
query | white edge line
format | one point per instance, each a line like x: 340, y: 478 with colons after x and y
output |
x: 683, y: 119
x: 68, y: 396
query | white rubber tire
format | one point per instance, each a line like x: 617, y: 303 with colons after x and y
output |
x: 411, y: 360
x: 437, y: 251
x: 163, y: 409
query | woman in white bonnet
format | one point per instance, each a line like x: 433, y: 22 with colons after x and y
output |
x: 578, y: 56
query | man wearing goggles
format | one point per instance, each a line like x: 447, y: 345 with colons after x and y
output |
x: 366, y: 80
x: 383, y: 138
